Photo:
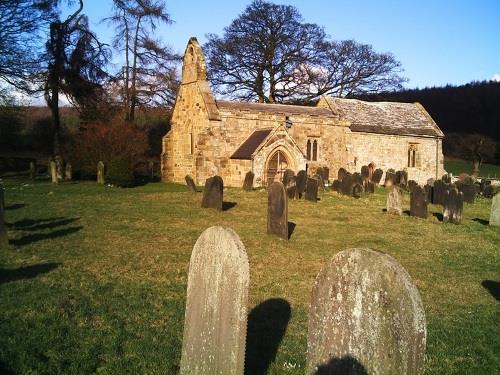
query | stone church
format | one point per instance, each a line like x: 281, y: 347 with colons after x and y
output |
x: 228, y: 138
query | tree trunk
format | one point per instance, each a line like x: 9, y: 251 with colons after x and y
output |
x: 133, y: 92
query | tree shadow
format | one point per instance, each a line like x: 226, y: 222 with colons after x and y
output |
x: 291, y: 228
x: 342, y: 366
x: 438, y: 215
x: 481, y: 221
x: 267, y: 323
x: 28, y: 272
x: 15, y: 206
x: 30, y: 224
x: 228, y: 205
x: 493, y: 287
x: 5, y: 370
x: 29, y: 239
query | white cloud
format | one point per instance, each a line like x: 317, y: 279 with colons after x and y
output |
x: 496, y: 77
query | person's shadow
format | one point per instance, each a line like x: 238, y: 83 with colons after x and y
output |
x: 342, y: 366
x: 267, y: 323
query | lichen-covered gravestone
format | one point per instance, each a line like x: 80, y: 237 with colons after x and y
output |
x: 495, y: 211
x: 394, y: 201
x: 248, y: 183
x: 53, y: 171
x: 365, y: 306
x: 453, y: 206
x: 216, y: 305
x: 213, y: 193
x: 277, y: 210
x: 100, y: 173
x: 4, y: 241
x: 190, y: 184
x: 418, y: 202
x: 377, y: 176
x: 312, y: 190
x: 301, y: 181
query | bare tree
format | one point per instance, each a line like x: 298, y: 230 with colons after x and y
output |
x: 149, y: 74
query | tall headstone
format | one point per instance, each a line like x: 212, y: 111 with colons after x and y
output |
x: 291, y: 187
x: 32, y: 170
x: 453, y: 206
x: 312, y: 190
x: 216, y: 305
x: 4, y: 241
x: 190, y: 184
x: 68, y: 172
x: 213, y: 193
x: 100, y: 173
x: 341, y: 174
x: 371, y: 170
x: 365, y: 173
x: 357, y: 190
x: 495, y: 211
x: 364, y: 305
x: 277, y: 210
x: 53, y: 172
x: 248, y: 183
x: 394, y: 201
x: 418, y: 202
x: 301, y: 183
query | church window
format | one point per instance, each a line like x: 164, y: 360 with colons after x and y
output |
x: 312, y: 149
x: 413, y: 156
x: 308, y: 149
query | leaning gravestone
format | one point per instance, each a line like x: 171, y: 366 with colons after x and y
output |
x: 312, y: 190
x: 190, y: 184
x: 213, y: 193
x: 68, y: 172
x: 100, y: 173
x: 53, y: 171
x: 287, y: 175
x: 248, y: 183
x: 341, y: 174
x: 357, y: 190
x: 418, y: 202
x: 453, y: 206
x: 495, y: 211
x: 365, y: 173
x: 4, y: 241
x: 301, y: 181
x: 277, y: 211
x: 291, y: 188
x: 394, y: 201
x: 216, y: 305
x: 364, y: 305
x: 377, y: 176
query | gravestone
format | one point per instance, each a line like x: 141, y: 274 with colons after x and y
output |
x: 319, y: 172
x: 347, y: 184
x: 277, y: 210
x: 453, y: 206
x: 403, y: 179
x: 369, y: 187
x: 397, y: 178
x: 364, y: 305
x: 336, y: 184
x: 357, y: 190
x: 446, y: 178
x: 287, y: 175
x: 489, y: 191
x: 321, y: 182
x: 389, y: 178
x: 365, y: 173
x: 371, y: 170
x: 213, y: 193
x: 418, y: 202
x: 248, y: 183
x: 291, y: 188
x: 53, y: 171
x: 100, y: 173
x: 429, y: 191
x: 32, y: 170
x: 312, y: 190
x: 68, y: 172
x: 341, y: 174
x: 468, y: 189
x: 216, y: 305
x: 190, y: 184
x: 412, y: 184
x: 326, y: 174
x: 394, y: 201
x: 300, y: 182
x: 357, y: 178
x: 59, y: 168
x: 377, y: 176
x: 4, y: 241
x: 495, y: 211
x: 430, y: 182
x: 439, y: 191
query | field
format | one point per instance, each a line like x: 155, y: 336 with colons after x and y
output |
x: 95, y: 277
x: 457, y: 166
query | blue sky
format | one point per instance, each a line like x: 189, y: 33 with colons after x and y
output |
x: 438, y: 42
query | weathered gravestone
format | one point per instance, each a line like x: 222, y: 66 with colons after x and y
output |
x: 412, y: 184
x: 277, y: 210
x: 357, y: 178
x: 366, y: 307
x: 418, y: 202
x: 495, y: 211
x: 190, y: 184
x: 248, y: 183
x: 371, y: 169
x: 429, y: 192
x: 489, y: 191
x: 59, y: 168
x: 403, y: 179
x: 53, y: 171
x: 341, y: 174
x: 213, y: 193
x: 394, y: 201
x: 312, y: 190
x: 68, y: 172
x: 377, y: 176
x: 438, y: 192
x: 287, y: 175
x: 390, y: 177
x: 357, y: 190
x: 336, y: 186
x: 347, y: 184
x: 4, y: 241
x: 468, y: 189
x: 100, y: 173
x: 319, y: 172
x: 321, y: 182
x: 216, y: 305
x: 369, y: 187
x: 453, y: 206
x: 301, y: 181
x: 365, y: 173
x: 291, y: 187
x: 32, y: 170
x: 326, y: 174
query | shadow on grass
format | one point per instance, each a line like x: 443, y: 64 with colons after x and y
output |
x: 267, y: 323
x: 28, y: 272
x: 228, y: 205
x: 438, y: 215
x: 493, y: 287
x: 15, y: 206
x: 342, y: 366
x: 29, y: 239
x: 481, y: 221
x: 291, y: 228
x: 5, y: 370
x: 30, y: 224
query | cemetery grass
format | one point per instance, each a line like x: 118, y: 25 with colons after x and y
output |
x: 95, y: 277
x: 456, y: 167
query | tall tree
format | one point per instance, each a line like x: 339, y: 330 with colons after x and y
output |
x: 149, y: 74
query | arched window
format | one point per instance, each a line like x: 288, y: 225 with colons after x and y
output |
x: 413, y: 155
x: 308, y: 149
x: 315, y: 150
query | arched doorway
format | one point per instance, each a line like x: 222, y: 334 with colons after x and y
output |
x: 277, y: 163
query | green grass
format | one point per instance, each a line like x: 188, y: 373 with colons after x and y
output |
x: 95, y: 277
x: 456, y: 167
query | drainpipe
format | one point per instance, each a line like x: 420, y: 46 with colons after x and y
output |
x: 437, y: 158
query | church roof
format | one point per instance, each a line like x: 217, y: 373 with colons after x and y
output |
x: 248, y: 147
x: 284, y: 109
x: 392, y: 118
